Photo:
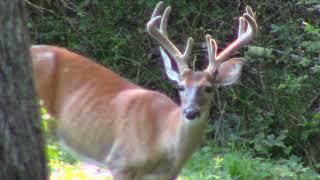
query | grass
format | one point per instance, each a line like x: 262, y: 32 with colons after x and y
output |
x: 206, y: 164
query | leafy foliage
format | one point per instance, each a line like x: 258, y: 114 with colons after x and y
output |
x: 208, y: 164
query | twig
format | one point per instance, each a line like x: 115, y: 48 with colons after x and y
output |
x: 255, y: 51
x: 38, y: 7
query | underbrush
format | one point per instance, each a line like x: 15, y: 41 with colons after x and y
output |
x: 206, y: 164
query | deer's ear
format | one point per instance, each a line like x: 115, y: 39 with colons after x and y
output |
x: 171, y: 73
x: 229, y: 71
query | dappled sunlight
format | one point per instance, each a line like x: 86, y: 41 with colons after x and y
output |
x: 80, y: 171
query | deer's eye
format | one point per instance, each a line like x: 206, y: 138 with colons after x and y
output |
x: 180, y: 88
x: 208, y: 89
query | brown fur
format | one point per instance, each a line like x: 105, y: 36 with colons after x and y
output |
x: 137, y: 133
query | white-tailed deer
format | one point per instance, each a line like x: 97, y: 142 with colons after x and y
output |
x: 137, y: 133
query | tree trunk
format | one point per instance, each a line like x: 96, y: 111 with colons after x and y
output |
x: 22, y: 154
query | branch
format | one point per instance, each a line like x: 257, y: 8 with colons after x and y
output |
x: 255, y: 51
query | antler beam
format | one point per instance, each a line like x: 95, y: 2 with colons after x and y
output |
x: 247, y: 29
x: 161, y: 35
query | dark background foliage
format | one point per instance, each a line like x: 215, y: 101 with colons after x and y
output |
x: 272, y: 111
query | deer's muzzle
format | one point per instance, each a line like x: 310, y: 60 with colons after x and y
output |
x: 191, y: 113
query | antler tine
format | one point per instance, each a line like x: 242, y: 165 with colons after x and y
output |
x: 157, y: 9
x: 212, y: 52
x: 164, y: 21
x: 242, y: 26
x: 247, y: 29
x: 252, y: 26
x: 161, y: 35
x: 249, y: 11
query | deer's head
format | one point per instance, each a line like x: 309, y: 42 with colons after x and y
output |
x: 196, y: 87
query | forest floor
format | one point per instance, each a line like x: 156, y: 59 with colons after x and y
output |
x: 208, y: 163
x: 81, y: 171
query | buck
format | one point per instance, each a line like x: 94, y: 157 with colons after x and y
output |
x: 135, y: 132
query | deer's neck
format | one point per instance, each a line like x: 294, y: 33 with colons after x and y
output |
x: 188, y: 134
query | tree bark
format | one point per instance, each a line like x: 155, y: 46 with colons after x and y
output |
x: 22, y: 154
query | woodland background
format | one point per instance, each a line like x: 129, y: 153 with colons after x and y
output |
x: 273, y: 112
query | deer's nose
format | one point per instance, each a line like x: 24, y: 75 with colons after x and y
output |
x: 191, y: 113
